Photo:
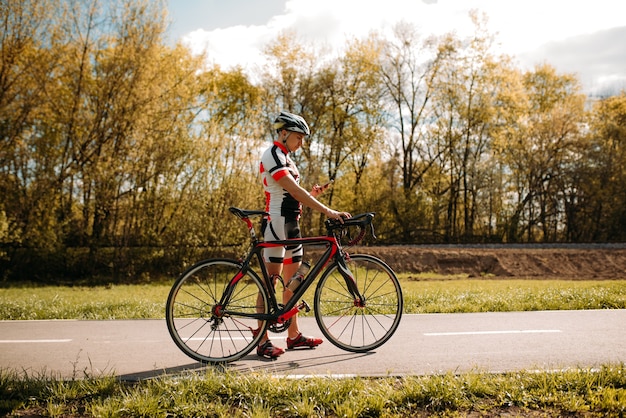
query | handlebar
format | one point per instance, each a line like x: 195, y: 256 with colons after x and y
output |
x: 333, y: 226
x: 361, y: 221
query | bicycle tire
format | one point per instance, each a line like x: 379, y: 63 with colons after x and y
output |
x: 352, y: 327
x: 203, y: 335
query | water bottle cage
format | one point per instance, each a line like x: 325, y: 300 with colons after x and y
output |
x: 296, y: 281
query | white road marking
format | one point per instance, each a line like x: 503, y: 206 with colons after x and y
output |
x: 522, y: 331
x: 33, y: 341
x: 308, y: 376
x: 226, y: 338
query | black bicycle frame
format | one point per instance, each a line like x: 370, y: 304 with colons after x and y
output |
x: 333, y: 251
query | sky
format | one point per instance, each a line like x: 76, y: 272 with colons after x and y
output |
x: 586, y: 38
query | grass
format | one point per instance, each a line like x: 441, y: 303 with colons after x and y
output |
x: 573, y: 393
x: 476, y: 295
x: 81, y: 302
x: 426, y: 295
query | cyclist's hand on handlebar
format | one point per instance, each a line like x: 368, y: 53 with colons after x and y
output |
x: 333, y: 214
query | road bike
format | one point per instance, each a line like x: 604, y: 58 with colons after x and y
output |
x: 215, y: 307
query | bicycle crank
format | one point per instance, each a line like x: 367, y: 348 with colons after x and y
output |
x: 293, y: 311
x: 276, y: 327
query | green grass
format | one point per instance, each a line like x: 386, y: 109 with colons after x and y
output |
x: 430, y: 295
x: 574, y: 393
x: 94, y: 303
x: 479, y: 295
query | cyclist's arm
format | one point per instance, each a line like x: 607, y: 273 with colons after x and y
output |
x: 294, y: 189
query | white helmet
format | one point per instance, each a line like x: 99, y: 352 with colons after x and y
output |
x: 291, y: 122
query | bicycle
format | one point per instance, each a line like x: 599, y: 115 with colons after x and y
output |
x: 215, y: 307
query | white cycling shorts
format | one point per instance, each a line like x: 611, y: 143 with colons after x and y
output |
x: 279, y: 229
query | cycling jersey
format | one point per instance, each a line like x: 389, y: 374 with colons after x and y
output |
x: 283, y: 208
x: 275, y: 164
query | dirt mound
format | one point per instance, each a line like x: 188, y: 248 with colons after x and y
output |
x: 571, y: 262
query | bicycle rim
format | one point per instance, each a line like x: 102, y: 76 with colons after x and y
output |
x: 350, y: 325
x: 200, y: 330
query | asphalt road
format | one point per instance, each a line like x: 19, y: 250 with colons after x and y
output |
x: 423, y: 344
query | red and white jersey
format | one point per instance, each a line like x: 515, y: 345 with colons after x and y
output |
x: 275, y: 164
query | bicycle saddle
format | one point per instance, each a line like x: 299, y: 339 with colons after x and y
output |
x: 243, y: 213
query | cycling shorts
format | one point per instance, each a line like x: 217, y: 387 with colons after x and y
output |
x: 278, y: 228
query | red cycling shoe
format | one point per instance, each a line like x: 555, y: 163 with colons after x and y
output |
x: 268, y: 350
x: 302, y: 341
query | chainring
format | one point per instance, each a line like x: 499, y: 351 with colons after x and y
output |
x: 278, y: 327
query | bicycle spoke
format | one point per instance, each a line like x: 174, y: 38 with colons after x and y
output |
x: 356, y: 325
x: 203, y: 330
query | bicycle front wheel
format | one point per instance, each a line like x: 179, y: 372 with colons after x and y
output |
x: 353, y: 325
x: 209, y: 332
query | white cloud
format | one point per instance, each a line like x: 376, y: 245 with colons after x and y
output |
x: 237, y: 45
x: 521, y: 27
x: 529, y: 24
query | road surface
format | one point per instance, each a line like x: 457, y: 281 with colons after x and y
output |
x: 423, y: 344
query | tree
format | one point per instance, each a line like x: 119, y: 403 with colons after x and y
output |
x: 227, y: 152
x: 24, y: 24
x: 409, y: 67
x: 351, y: 116
x: 465, y: 114
x: 544, y: 147
x: 596, y: 212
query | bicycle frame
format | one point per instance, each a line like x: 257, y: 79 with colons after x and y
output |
x: 334, y: 251
x: 214, y: 309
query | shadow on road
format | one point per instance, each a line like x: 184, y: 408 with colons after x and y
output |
x: 250, y: 363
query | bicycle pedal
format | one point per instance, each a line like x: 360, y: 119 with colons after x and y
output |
x: 305, y: 306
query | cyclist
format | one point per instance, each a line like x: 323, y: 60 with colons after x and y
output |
x: 284, y: 198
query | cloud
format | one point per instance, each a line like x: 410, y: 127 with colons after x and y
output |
x: 598, y: 59
x: 329, y: 22
x: 229, y: 47
x: 555, y: 32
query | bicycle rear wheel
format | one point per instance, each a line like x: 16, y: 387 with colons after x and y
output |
x: 204, y: 330
x: 344, y: 321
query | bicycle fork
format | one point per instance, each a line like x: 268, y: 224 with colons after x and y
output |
x: 359, y: 300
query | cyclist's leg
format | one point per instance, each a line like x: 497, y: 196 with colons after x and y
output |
x: 273, y: 270
x: 273, y: 258
x: 292, y: 262
x: 266, y: 348
x: 289, y: 270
